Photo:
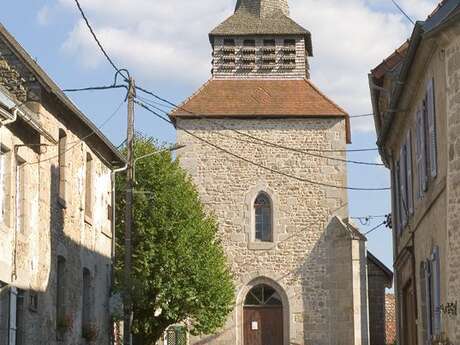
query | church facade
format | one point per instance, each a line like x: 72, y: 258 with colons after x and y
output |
x: 266, y: 149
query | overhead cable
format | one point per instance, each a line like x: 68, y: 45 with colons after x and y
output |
x: 255, y: 163
x: 262, y: 142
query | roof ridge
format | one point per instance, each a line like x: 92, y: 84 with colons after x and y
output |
x: 308, y: 81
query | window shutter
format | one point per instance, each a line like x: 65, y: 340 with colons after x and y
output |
x: 432, y: 141
x: 403, y: 185
x: 428, y: 302
x: 423, y: 297
x: 4, y: 314
x: 436, y: 278
x: 419, y: 152
x: 397, y: 191
x: 13, y: 308
x: 409, y: 185
x: 424, y: 168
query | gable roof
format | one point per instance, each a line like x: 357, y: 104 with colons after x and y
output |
x: 260, y: 98
x: 51, y: 87
x: 385, y: 270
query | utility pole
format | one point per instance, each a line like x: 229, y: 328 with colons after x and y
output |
x: 127, y: 300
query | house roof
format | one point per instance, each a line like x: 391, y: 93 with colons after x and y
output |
x: 388, y: 273
x: 260, y: 98
x: 255, y: 20
x: 51, y: 86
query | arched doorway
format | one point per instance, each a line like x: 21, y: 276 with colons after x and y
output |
x: 263, y: 317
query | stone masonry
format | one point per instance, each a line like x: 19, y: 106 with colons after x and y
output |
x: 453, y: 191
x: 318, y: 286
x: 51, y: 227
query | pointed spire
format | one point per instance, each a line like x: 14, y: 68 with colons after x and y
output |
x: 262, y: 8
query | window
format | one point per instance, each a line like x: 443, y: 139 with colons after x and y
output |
x: 62, y: 322
x: 289, y: 43
x: 228, y: 42
x: 86, y: 299
x: 263, y: 295
x: 426, y: 133
x: 20, y: 194
x: 89, y: 186
x: 269, y: 43
x: 249, y: 43
x: 62, y: 147
x: 404, y: 183
x: 4, y: 185
x: 263, y: 218
x: 11, y: 316
x: 430, y: 287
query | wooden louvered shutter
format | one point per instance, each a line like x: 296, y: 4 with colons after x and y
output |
x: 419, y: 152
x: 424, y: 140
x: 409, y: 184
x: 403, y: 184
x: 424, y: 293
x: 436, y: 294
x: 432, y: 140
x: 397, y: 191
x: 4, y: 315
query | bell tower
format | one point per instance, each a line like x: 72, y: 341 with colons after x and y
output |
x: 260, y: 41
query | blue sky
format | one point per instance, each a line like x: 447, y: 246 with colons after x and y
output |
x: 165, y: 46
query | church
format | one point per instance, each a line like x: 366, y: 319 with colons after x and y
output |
x: 266, y: 149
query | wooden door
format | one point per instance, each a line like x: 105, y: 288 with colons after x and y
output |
x: 263, y: 325
x: 409, y: 315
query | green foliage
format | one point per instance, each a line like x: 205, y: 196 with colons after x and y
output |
x: 179, y: 268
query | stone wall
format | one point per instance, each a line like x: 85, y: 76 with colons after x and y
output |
x: 28, y: 257
x: 298, y: 263
x: 453, y: 183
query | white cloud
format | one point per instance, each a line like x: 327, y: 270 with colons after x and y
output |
x: 168, y: 40
x: 43, y: 15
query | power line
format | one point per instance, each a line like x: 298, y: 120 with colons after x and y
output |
x: 304, y: 151
x: 403, y: 12
x: 97, y: 88
x: 258, y: 141
x: 254, y: 163
x: 82, y: 139
x: 118, y: 70
x: 362, y: 115
x: 375, y: 228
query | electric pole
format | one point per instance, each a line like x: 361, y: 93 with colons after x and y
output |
x: 127, y: 300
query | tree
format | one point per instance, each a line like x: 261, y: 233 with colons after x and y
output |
x: 180, y: 272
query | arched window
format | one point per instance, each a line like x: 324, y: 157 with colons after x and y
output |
x: 262, y: 295
x: 263, y: 218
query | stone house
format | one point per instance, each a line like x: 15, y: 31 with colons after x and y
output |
x: 55, y: 211
x: 415, y: 96
x: 299, y: 265
x: 379, y: 279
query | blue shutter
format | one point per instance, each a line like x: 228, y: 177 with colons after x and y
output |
x: 403, y: 184
x: 397, y: 191
x: 4, y: 315
x: 419, y: 152
x: 13, y: 308
x: 432, y: 140
x: 409, y: 185
x: 423, y: 137
x: 436, y: 279
x: 428, y: 301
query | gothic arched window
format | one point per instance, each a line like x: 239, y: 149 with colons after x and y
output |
x: 263, y: 218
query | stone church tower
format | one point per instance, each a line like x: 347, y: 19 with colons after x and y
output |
x: 299, y: 266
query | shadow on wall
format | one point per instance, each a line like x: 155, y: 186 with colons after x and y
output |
x: 72, y: 307
x: 322, y: 311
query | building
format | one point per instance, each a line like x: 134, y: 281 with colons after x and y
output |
x: 415, y: 95
x: 299, y: 265
x: 390, y: 319
x: 379, y: 279
x: 55, y: 219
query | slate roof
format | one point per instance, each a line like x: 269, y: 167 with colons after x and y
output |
x: 260, y: 98
x: 245, y: 22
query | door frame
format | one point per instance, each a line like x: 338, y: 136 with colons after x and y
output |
x: 239, y: 310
